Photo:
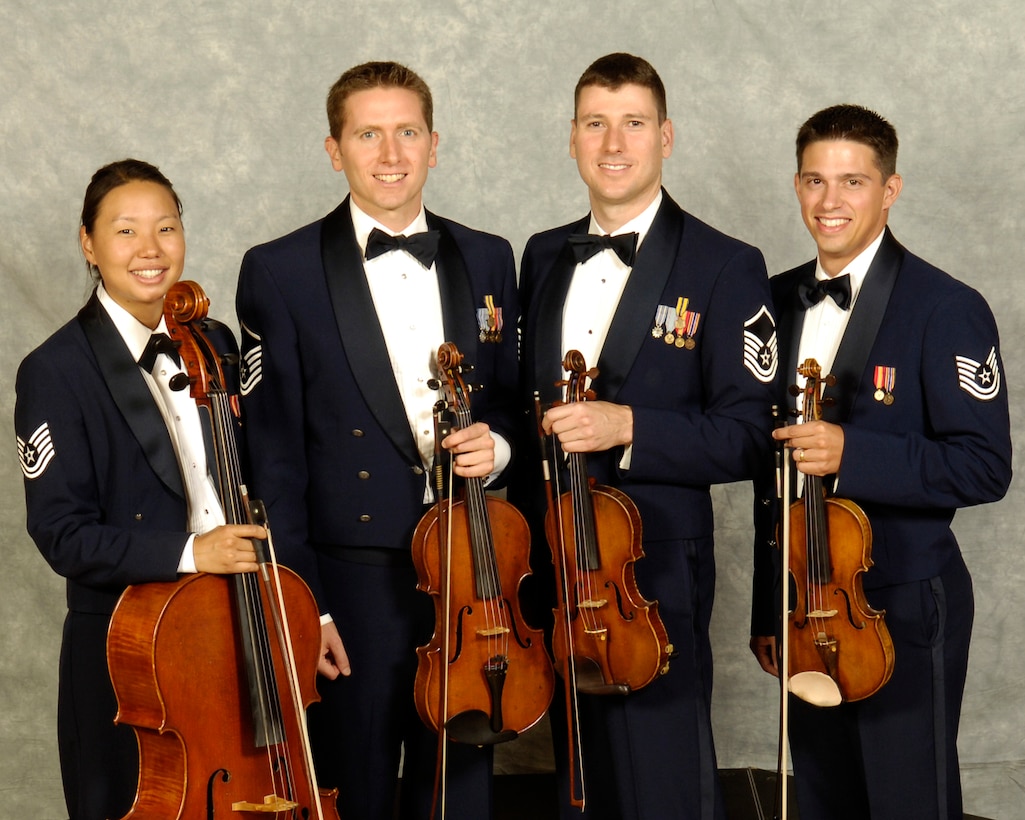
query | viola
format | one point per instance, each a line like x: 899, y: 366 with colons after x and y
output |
x: 214, y: 672
x: 839, y: 646
x: 607, y: 639
x: 485, y: 675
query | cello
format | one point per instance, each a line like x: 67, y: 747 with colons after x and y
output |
x: 214, y: 672
x: 607, y: 639
x: 838, y: 646
x: 485, y: 676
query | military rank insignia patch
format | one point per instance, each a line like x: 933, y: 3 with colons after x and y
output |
x: 36, y: 454
x: 981, y: 380
x: 761, y: 352
x: 251, y: 363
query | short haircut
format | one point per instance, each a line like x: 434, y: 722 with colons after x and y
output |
x: 613, y: 71
x: 375, y: 75
x: 856, y: 124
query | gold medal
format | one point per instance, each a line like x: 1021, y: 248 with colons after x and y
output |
x: 888, y: 399
x: 657, y: 331
x: 669, y: 338
x: 878, y: 395
x: 680, y: 341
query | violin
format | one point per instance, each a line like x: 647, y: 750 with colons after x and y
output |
x: 607, y: 639
x: 214, y: 672
x: 839, y: 646
x: 485, y: 676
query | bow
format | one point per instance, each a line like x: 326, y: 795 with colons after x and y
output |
x: 587, y: 245
x: 158, y: 343
x: 423, y: 247
x: 812, y: 290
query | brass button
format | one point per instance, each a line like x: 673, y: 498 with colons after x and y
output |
x: 418, y: 470
x: 364, y: 518
x: 363, y: 474
x: 357, y: 433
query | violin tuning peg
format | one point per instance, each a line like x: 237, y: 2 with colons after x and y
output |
x: 794, y: 390
x: 466, y: 368
x: 433, y: 384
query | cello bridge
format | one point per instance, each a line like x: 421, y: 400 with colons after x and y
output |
x: 271, y: 803
x: 590, y: 603
x: 823, y: 613
x: 492, y: 631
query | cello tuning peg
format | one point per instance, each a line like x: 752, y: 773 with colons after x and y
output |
x: 466, y: 367
x: 433, y: 384
x: 794, y: 390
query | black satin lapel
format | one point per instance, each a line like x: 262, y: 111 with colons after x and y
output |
x: 458, y: 311
x: 131, y: 395
x: 791, y: 324
x: 550, y: 300
x: 862, y: 328
x: 635, y: 314
x: 362, y: 336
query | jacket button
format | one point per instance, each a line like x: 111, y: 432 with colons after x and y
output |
x: 357, y: 433
x: 364, y: 518
x: 363, y: 474
x: 417, y: 470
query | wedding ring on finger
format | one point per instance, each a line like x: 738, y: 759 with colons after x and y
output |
x: 800, y: 455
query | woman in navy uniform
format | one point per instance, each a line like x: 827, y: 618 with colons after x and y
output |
x: 115, y: 473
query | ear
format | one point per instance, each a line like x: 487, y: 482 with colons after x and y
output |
x: 335, y: 152
x: 432, y: 159
x: 573, y: 138
x: 667, y: 138
x: 891, y: 190
x: 86, y: 242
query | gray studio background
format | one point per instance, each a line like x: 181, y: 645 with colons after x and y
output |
x: 227, y: 98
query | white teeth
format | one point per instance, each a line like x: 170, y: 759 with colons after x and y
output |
x: 389, y: 177
x: 149, y: 274
x: 612, y: 167
x: 833, y: 223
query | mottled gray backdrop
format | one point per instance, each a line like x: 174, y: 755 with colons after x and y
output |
x: 227, y: 98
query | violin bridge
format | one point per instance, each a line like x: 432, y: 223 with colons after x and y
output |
x: 271, y: 804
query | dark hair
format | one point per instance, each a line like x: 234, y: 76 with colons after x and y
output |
x: 114, y: 176
x: 613, y: 71
x: 854, y: 123
x: 375, y: 75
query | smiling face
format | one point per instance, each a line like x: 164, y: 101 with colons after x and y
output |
x: 138, y: 244
x: 845, y: 199
x: 384, y: 149
x: 619, y: 145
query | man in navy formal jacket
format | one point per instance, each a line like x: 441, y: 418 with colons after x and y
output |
x: 918, y: 427
x: 341, y: 322
x: 675, y: 316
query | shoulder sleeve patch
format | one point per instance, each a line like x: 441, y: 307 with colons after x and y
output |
x: 981, y: 380
x: 761, y: 353
x: 37, y: 452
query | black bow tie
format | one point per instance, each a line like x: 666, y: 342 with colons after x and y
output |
x: 812, y: 290
x: 423, y: 247
x: 586, y: 245
x: 158, y: 343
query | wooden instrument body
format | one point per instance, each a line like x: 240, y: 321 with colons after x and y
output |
x: 182, y: 686
x: 486, y: 629
x: 619, y: 641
